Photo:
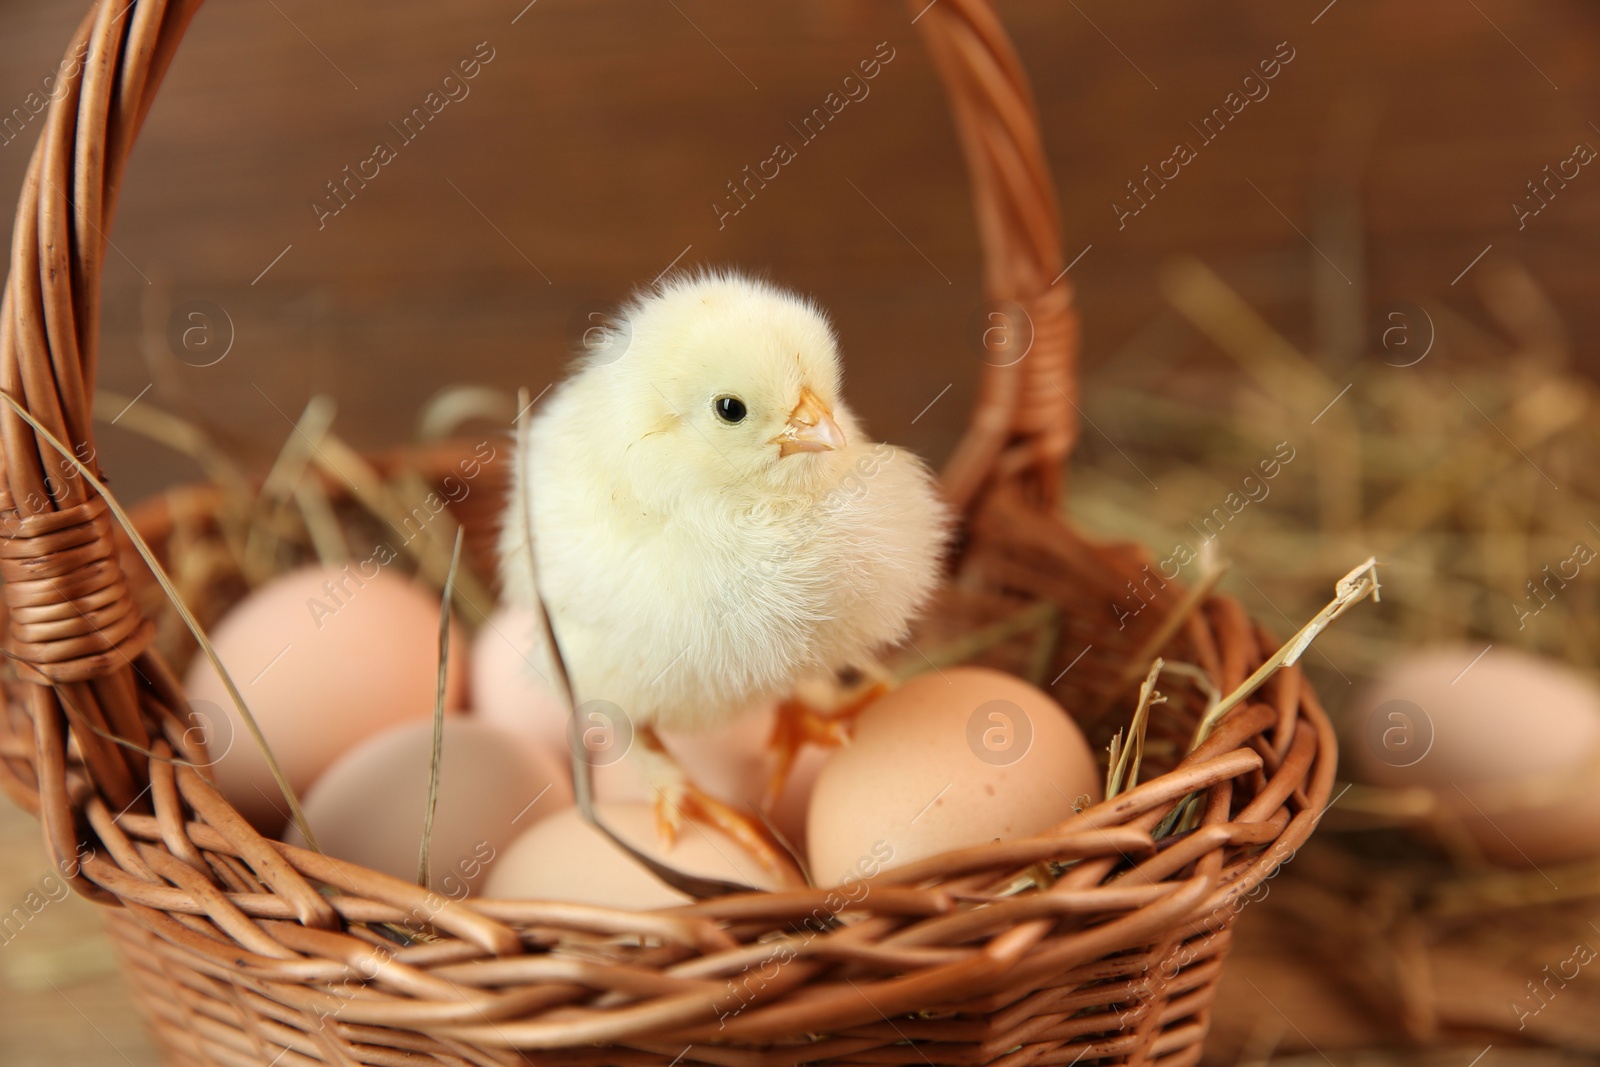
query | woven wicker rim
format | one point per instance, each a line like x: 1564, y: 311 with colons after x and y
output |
x: 211, y: 907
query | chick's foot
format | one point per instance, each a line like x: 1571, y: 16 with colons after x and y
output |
x: 678, y: 799
x: 800, y: 723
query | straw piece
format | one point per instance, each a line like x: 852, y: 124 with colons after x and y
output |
x: 423, y: 875
x: 1222, y: 315
x: 327, y: 536
x: 1126, y: 758
x: 1211, y: 573
x: 429, y: 547
x: 285, y: 474
x: 1035, y: 618
x: 177, y: 433
x: 316, y: 419
x: 453, y: 405
x: 1349, y: 591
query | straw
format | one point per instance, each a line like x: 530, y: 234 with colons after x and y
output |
x: 322, y: 524
x: 1350, y: 590
x: 1039, y: 618
x: 176, y: 433
x: 423, y: 875
x: 282, y: 478
x: 453, y: 405
x: 430, y: 548
x: 1211, y: 573
x: 1123, y: 772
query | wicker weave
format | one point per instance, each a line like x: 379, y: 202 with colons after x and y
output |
x: 243, y: 951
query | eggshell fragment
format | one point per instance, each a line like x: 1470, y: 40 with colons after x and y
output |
x: 1507, y: 742
x: 369, y: 807
x: 564, y: 858
x: 948, y: 760
x: 324, y: 659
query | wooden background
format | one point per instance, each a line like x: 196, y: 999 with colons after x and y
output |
x: 590, y: 151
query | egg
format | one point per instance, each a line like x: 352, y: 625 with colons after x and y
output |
x: 324, y: 659
x: 733, y: 763
x: 564, y: 858
x: 508, y: 688
x: 369, y: 807
x: 949, y: 760
x: 1507, y: 742
x: 792, y: 813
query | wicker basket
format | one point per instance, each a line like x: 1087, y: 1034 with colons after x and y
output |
x: 243, y: 951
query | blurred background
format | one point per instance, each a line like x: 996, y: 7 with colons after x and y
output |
x: 1384, y: 259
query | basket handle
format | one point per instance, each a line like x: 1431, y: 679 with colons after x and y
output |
x: 1024, y: 423
x: 71, y: 616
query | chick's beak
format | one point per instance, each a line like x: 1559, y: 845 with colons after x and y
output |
x: 810, y: 429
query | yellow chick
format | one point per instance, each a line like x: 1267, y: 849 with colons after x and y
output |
x: 711, y: 524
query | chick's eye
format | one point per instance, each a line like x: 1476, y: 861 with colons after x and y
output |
x: 729, y: 408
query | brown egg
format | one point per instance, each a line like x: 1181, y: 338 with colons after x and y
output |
x: 508, y: 687
x: 493, y: 785
x: 1508, y: 743
x: 324, y: 659
x: 564, y: 858
x: 948, y: 760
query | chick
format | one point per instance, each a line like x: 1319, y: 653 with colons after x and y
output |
x: 711, y: 526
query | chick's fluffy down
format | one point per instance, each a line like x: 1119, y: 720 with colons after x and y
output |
x: 688, y: 569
